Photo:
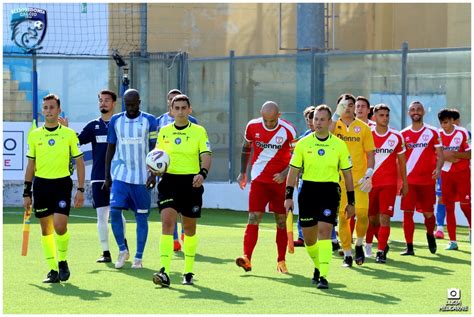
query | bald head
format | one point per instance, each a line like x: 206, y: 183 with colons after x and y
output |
x: 131, y: 93
x: 131, y: 99
x: 270, y: 114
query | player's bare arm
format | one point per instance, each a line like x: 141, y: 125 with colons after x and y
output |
x: 280, y: 177
x: 291, y: 182
x: 108, y: 160
x: 205, y: 167
x: 244, y: 159
x: 30, y: 172
x: 350, y: 209
x: 439, y: 162
x: 454, y: 156
x: 403, y: 171
x: 81, y: 175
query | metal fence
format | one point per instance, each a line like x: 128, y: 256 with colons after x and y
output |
x: 228, y: 91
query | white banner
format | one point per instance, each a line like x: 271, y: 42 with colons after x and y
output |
x: 15, y: 147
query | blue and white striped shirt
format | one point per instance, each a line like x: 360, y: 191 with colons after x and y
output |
x: 133, y: 138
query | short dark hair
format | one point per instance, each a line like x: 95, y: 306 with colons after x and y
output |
x: 108, y: 92
x: 174, y: 92
x: 345, y: 97
x: 444, y: 114
x: 180, y: 98
x: 309, y: 112
x: 363, y: 99
x: 456, y: 114
x: 324, y: 108
x: 381, y: 106
x: 52, y: 97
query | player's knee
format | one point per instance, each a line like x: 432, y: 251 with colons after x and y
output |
x: 254, y: 219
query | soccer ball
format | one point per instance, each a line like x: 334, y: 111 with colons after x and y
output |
x: 38, y: 25
x: 158, y: 161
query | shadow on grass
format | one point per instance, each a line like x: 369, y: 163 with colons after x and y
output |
x: 197, y: 291
x: 335, y: 289
x: 143, y: 273
x: 447, y: 259
x: 66, y: 289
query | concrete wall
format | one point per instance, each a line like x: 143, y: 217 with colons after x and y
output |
x: 216, y: 195
x: 252, y: 28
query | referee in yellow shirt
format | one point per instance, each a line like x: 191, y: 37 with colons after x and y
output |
x: 180, y: 189
x: 49, y: 150
x: 319, y: 157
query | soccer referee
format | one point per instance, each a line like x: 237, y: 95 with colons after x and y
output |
x: 320, y: 156
x: 49, y: 150
x: 180, y: 189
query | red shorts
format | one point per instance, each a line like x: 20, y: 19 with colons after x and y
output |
x: 420, y: 198
x: 382, y: 200
x: 456, y: 187
x: 262, y: 194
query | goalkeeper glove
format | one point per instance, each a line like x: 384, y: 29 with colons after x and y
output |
x: 366, y: 181
x: 341, y: 107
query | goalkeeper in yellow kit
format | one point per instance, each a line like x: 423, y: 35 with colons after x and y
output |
x: 358, y: 137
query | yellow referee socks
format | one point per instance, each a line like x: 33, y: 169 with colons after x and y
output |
x: 62, y: 242
x: 325, y: 255
x: 190, y: 246
x: 49, y: 250
x: 313, y: 251
x: 166, y: 251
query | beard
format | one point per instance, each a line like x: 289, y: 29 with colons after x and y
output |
x: 103, y: 110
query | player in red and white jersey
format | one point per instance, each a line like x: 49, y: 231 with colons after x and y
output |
x: 424, y: 160
x: 362, y: 110
x: 455, y: 173
x: 270, y: 138
x: 389, y: 157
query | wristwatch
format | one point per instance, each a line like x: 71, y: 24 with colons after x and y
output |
x: 81, y: 189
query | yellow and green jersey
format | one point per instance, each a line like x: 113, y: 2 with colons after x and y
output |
x: 52, y: 150
x: 359, y: 140
x: 320, y: 161
x: 184, y: 147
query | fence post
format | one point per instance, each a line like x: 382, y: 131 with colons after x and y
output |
x: 404, y: 82
x: 231, y: 115
x: 34, y: 87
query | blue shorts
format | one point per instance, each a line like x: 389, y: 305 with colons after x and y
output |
x: 130, y: 196
x: 438, y: 187
x: 100, y: 195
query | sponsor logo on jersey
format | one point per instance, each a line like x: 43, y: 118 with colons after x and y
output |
x: 416, y: 145
x: 51, y: 142
x: 348, y: 138
x: 383, y: 151
x: 450, y: 148
x: 264, y: 145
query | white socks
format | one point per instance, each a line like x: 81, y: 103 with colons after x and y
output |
x: 103, y: 226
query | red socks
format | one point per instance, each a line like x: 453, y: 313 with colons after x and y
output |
x: 250, y: 239
x: 384, y: 233
x: 466, y: 210
x: 281, y: 241
x: 451, y: 221
x: 409, y: 226
x: 430, y: 224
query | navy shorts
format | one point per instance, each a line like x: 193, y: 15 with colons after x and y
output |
x: 318, y: 202
x: 177, y: 192
x: 130, y: 196
x: 100, y: 195
x: 51, y: 196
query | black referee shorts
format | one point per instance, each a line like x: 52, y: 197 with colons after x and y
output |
x: 318, y: 202
x: 51, y: 196
x: 177, y: 192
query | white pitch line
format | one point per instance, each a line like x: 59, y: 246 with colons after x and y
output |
x: 200, y: 225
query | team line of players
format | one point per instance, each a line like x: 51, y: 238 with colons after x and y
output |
x: 377, y: 156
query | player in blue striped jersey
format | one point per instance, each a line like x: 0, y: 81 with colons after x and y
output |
x: 131, y: 135
x: 95, y: 132
x: 165, y: 119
